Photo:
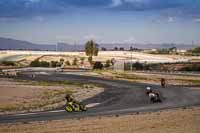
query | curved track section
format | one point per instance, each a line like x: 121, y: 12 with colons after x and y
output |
x: 119, y: 97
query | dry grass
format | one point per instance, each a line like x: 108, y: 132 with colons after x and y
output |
x: 177, y: 80
x: 171, y: 121
x: 28, y: 96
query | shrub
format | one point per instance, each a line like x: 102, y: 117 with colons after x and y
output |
x: 67, y: 63
x: 90, y: 59
x: 62, y: 60
x: 82, y: 60
x: 8, y: 63
x: 75, y: 61
x: 108, y: 64
x: 44, y: 64
x: 138, y: 66
x: 98, y: 65
x: 35, y: 63
x: 113, y: 61
x: 56, y: 64
x: 192, y: 67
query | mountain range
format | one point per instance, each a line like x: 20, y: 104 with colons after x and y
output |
x: 13, y: 44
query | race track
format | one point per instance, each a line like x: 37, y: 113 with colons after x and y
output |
x: 119, y: 97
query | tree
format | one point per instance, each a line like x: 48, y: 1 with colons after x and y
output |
x: 131, y: 48
x: 44, y: 64
x: 173, y: 49
x: 121, y: 49
x: 8, y: 63
x: 113, y: 61
x: 90, y: 59
x: 82, y: 60
x: 55, y: 64
x: 67, y: 63
x: 62, y: 60
x: 196, y: 50
x: 75, y: 61
x: 103, y: 49
x: 108, y: 64
x: 98, y: 65
x: 91, y: 49
x: 35, y: 63
x: 116, y: 48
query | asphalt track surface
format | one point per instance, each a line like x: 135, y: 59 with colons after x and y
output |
x: 119, y: 97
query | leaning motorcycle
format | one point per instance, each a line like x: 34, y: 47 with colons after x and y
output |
x: 75, y: 107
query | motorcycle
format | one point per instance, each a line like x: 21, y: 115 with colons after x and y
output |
x: 75, y: 107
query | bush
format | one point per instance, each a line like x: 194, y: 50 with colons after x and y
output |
x: 196, y: 50
x: 90, y: 59
x: 67, y: 63
x: 75, y: 61
x: 113, y: 61
x: 108, y: 64
x: 98, y: 65
x: 37, y: 63
x: 192, y: 67
x: 138, y: 66
x: 8, y: 63
x: 44, y: 64
x: 62, y: 60
x: 82, y: 60
x: 56, y: 64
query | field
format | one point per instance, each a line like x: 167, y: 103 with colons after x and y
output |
x: 25, y: 57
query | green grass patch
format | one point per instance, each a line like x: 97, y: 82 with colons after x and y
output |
x: 195, y: 81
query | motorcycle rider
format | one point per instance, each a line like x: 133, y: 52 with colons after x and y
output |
x: 153, y: 95
x: 163, y: 83
x: 69, y: 98
x: 148, y: 90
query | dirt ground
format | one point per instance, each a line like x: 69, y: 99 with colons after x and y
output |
x: 170, y: 121
x: 25, y: 96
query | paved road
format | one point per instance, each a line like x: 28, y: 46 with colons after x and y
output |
x: 119, y: 97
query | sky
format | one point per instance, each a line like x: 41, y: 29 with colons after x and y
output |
x: 105, y: 21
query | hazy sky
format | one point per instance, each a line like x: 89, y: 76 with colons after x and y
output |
x: 131, y: 21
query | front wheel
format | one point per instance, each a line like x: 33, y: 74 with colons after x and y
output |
x: 69, y: 108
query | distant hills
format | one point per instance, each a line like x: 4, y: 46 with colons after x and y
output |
x: 13, y: 44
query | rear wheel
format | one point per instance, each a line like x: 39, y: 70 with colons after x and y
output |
x: 76, y: 107
x: 83, y: 107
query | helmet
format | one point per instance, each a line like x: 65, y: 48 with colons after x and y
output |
x: 148, y: 88
x: 67, y: 96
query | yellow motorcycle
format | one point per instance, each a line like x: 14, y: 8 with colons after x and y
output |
x: 75, y: 107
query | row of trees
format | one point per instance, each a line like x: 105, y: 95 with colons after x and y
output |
x: 53, y: 64
x: 195, y: 50
x: 8, y: 63
x: 91, y: 49
x: 100, y: 65
x: 121, y: 49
